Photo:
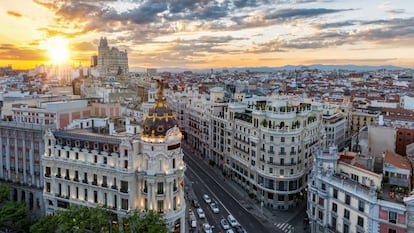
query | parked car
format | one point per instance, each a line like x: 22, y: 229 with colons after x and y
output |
x: 214, y: 207
x: 195, y: 203
x: 201, y: 213
x: 207, y: 228
x: 230, y: 231
x: 225, y: 224
x: 207, y: 199
x: 232, y: 220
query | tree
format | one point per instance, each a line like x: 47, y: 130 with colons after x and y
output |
x: 150, y: 222
x: 13, y: 215
x: 4, y: 192
x: 47, y: 224
x: 79, y: 219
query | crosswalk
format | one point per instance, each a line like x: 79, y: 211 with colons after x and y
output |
x: 285, y: 227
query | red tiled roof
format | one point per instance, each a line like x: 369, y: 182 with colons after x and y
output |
x: 397, y: 160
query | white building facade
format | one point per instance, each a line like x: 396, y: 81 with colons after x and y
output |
x: 121, y: 171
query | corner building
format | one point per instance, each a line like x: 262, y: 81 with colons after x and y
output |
x: 272, y: 142
x: 104, y: 164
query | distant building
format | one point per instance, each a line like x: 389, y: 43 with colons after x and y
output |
x: 345, y: 196
x: 94, y: 61
x: 111, y: 61
x: 407, y: 102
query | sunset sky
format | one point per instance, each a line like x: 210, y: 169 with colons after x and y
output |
x: 209, y: 34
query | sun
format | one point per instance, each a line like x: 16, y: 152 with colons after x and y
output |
x: 57, y: 49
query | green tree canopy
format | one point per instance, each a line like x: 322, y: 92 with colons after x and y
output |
x: 149, y: 222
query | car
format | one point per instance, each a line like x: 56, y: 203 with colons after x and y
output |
x: 207, y: 228
x: 201, y: 213
x: 230, y: 231
x: 214, y: 207
x: 240, y: 229
x: 225, y: 224
x: 207, y: 199
x: 195, y: 203
x: 232, y: 220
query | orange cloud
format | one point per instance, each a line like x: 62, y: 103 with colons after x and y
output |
x: 15, y: 14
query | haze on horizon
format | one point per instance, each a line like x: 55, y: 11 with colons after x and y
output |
x: 209, y: 33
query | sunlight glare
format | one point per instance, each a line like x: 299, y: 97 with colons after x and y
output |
x: 57, y: 49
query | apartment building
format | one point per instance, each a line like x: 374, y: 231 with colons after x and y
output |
x: 345, y: 196
x: 264, y: 143
x: 22, y: 146
x: 118, y: 164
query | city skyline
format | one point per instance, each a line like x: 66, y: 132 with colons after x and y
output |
x: 209, y: 34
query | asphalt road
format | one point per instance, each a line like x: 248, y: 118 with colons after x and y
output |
x: 205, y: 182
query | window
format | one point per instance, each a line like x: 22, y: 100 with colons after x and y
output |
x: 392, y: 217
x: 313, y: 197
x: 333, y: 222
x: 160, y: 188
x: 95, y: 179
x: 95, y: 159
x: 48, y: 187
x: 85, y: 194
x: 270, y: 170
x: 126, y: 164
x: 347, y: 199
x: 124, y: 186
x: 173, y: 163
x: 282, y: 172
x: 124, y: 204
x: 345, y: 229
x: 175, y: 203
x: 323, y: 186
x: 160, y: 206
x: 361, y: 205
x: 77, y: 192
x: 360, y: 221
x: 320, y: 215
x: 76, y: 155
x: 105, y: 160
x: 321, y: 201
x: 104, y: 181
x: 392, y: 231
x: 76, y: 176
x: 95, y: 196
x: 334, y: 207
x: 293, y: 139
x: 271, y: 138
x: 47, y: 174
x: 346, y: 214
x: 282, y: 139
x: 335, y: 193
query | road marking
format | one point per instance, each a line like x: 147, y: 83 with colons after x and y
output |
x: 285, y: 227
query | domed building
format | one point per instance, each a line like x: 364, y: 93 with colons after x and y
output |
x: 119, y: 165
x: 163, y: 157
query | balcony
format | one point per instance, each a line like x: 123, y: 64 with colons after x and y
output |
x: 58, y: 176
x: 105, y: 185
x: 114, y: 187
x: 94, y: 182
x: 123, y: 190
x: 47, y: 174
x: 76, y: 179
x: 85, y: 181
x: 271, y: 152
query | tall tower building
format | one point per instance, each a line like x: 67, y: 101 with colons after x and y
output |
x: 111, y: 61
